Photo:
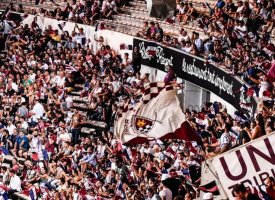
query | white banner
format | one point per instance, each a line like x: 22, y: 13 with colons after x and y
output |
x: 249, y: 164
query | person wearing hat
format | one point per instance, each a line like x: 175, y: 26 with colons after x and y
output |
x: 207, y: 196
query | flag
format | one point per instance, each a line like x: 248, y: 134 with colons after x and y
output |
x: 157, y: 115
x: 4, y: 192
x: 170, y: 152
x: 271, y: 73
x: 70, y: 69
x: 210, y: 187
x: 32, y: 193
x: 4, y: 151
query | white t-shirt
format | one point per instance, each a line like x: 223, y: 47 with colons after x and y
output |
x: 242, y: 30
x: 15, y: 183
x: 60, y: 81
x: 187, y: 49
x: 167, y: 193
x: 32, y: 77
x: 130, y: 79
x: 14, y: 86
x: 63, y: 137
x: 264, y: 85
x: 25, y: 125
x: 36, y: 145
x: 69, y: 101
x: 79, y: 39
x: 38, y: 110
x: 116, y: 85
x: 184, y: 38
x: 11, y: 128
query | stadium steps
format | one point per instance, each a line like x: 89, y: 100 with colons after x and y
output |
x: 134, y: 15
x: 88, y: 127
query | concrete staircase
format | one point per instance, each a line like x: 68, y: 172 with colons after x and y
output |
x: 130, y: 20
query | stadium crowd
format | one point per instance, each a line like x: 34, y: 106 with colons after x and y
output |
x: 40, y: 126
x: 237, y: 36
x: 85, y: 12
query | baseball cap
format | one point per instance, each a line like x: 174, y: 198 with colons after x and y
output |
x: 207, y: 196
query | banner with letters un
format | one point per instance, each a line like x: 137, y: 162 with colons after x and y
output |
x: 249, y: 164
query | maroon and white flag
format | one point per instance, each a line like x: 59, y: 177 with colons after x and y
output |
x: 157, y: 115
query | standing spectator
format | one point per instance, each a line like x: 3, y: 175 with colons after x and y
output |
x: 170, y: 76
x: 136, y: 60
x: 75, y: 126
x: 159, y: 33
x: 197, y: 41
x: 37, y: 111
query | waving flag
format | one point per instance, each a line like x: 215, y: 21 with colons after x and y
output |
x: 210, y: 187
x: 4, y: 192
x: 32, y: 193
x: 157, y: 115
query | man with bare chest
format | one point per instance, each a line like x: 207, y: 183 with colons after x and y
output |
x: 75, y: 126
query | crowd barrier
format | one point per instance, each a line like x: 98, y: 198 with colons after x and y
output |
x: 156, y: 56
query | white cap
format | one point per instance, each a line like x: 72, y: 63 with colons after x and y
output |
x: 207, y: 196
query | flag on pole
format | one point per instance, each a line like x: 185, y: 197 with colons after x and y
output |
x: 157, y: 115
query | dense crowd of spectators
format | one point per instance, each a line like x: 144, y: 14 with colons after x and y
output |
x: 235, y: 36
x: 85, y: 11
x: 41, y: 129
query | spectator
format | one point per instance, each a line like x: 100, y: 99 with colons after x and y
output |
x: 224, y: 143
x: 15, y: 182
x: 241, y: 192
x: 159, y: 33
x: 165, y: 193
x: 99, y: 165
x: 270, y: 186
x: 170, y: 76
